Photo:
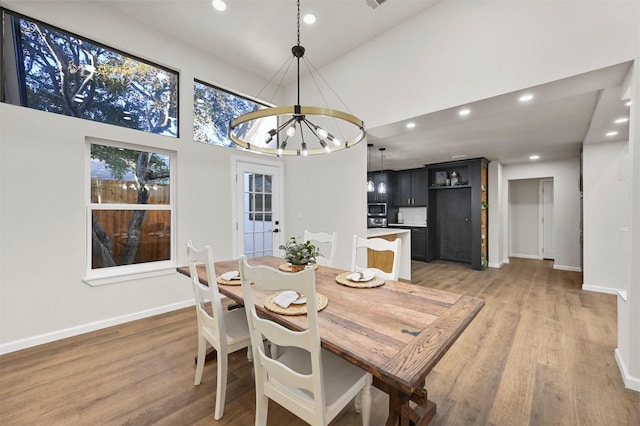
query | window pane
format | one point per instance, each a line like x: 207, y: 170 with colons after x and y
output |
x: 126, y: 176
x: 65, y: 74
x: 214, y: 108
x: 114, y: 245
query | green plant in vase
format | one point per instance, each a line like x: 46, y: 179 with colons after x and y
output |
x: 299, y: 255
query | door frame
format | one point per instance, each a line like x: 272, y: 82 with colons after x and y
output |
x: 235, y: 161
x: 542, y: 224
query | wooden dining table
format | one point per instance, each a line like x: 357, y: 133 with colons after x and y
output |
x: 398, y: 331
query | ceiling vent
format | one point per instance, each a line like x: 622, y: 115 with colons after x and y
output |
x: 375, y: 3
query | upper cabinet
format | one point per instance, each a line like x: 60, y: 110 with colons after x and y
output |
x: 457, y: 215
x: 410, y: 189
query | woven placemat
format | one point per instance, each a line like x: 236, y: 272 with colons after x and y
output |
x: 374, y: 282
x: 286, y: 267
x: 221, y: 280
x: 300, y: 309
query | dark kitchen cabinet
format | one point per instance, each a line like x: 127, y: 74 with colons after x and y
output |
x: 410, y: 188
x: 457, y: 216
x: 419, y: 244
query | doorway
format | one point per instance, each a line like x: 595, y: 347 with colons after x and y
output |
x: 258, y: 209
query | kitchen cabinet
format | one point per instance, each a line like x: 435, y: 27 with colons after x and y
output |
x: 410, y: 188
x: 418, y: 241
x: 419, y: 244
x: 457, y: 215
x: 375, y: 196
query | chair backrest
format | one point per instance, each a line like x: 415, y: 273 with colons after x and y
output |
x: 213, y: 317
x: 377, y: 244
x: 327, y: 240
x: 273, y: 378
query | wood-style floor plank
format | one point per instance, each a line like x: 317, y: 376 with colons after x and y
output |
x: 539, y: 353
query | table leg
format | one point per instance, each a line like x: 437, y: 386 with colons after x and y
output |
x: 405, y: 409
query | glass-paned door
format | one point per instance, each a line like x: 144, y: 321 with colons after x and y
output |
x: 258, y: 209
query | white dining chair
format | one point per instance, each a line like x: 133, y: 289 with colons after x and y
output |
x: 225, y: 330
x: 377, y: 244
x: 327, y: 240
x: 309, y: 381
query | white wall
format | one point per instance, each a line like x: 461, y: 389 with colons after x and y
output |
x: 328, y: 199
x: 43, y: 184
x: 523, y: 218
x: 566, y: 224
x: 462, y: 51
x: 496, y: 220
x: 607, y: 243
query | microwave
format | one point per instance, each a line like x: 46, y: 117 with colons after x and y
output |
x: 377, y: 210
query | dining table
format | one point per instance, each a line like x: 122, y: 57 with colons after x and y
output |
x: 397, y: 331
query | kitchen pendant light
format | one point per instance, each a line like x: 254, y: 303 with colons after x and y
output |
x: 370, y: 185
x: 382, y: 187
x: 331, y: 130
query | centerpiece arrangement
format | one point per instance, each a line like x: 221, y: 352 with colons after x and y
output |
x: 299, y: 255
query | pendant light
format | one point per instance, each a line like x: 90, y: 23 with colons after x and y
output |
x: 382, y: 187
x: 281, y: 130
x: 370, y: 185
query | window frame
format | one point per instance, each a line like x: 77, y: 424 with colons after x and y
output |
x: 114, y: 274
x: 229, y: 92
x: 4, y: 75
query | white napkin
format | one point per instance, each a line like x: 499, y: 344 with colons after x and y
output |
x: 231, y: 275
x: 285, y: 298
x: 364, y: 275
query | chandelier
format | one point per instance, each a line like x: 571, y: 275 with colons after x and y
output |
x: 296, y: 130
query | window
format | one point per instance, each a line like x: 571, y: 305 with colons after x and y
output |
x: 214, y: 109
x: 130, y: 223
x: 52, y: 70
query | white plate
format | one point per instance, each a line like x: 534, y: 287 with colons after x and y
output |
x: 231, y: 275
x: 299, y: 301
x: 353, y: 277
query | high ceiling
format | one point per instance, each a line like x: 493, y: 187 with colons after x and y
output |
x: 553, y: 124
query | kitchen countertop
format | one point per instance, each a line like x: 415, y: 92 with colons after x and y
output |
x: 378, y: 232
x: 409, y: 225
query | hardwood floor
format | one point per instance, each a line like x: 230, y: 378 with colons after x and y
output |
x: 539, y: 353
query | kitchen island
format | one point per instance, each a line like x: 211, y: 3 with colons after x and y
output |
x: 405, y: 247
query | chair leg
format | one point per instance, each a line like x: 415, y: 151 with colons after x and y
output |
x: 221, y: 386
x: 249, y: 354
x: 262, y: 409
x: 202, y: 353
x: 365, y: 398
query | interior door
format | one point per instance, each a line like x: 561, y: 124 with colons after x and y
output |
x: 548, y: 246
x: 258, y: 209
x: 454, y: 224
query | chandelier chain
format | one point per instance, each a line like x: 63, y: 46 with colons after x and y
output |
x: 298, y: 22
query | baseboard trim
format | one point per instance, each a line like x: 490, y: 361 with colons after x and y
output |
x: 526, y: 256
x: 567, y: 268
x: 630, y: 382
x: 17, y: 345
x: 599, y: 289
x: 496, y: 265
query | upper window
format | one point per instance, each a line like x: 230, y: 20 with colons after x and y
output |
x: 214, y: 109
x: 52, y: 70
x: 130, y: 210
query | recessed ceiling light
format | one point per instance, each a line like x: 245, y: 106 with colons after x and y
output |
x: 526, y: 97
x: 621, y: 120
x: 534, y: 157
x: 464, y: 111
x: 309, y: 18
x: 411, y: 125
x: 219, y: 5
x: 611, y: 133
x: 454, y: 157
